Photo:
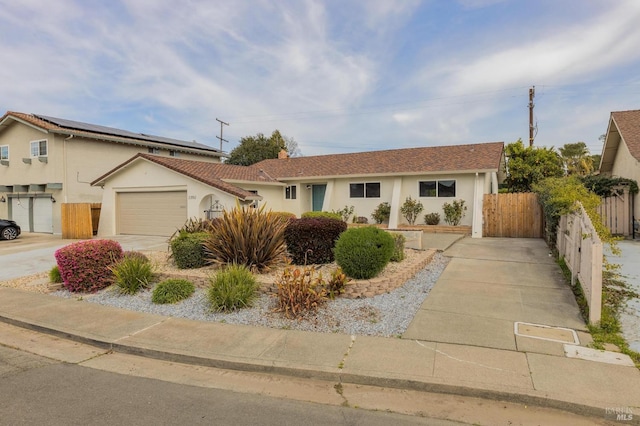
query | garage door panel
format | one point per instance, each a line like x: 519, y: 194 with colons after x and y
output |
x: 151, y: 213
x: 20, y: 212
x: 42, y: 215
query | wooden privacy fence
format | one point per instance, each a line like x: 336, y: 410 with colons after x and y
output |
x: 517, y: 215
x: 80, y: 220
x: 578, y: 243
x: 616, y: 212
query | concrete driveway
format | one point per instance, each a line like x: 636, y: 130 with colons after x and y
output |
x: 33, y: 253
x: 491, y: 284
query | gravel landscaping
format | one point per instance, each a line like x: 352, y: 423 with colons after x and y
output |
x: 383, y: 315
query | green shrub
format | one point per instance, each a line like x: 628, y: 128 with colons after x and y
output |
x: 247, y: 236
x: 454, y: 212
x: 315, y: 215
x: 284, y: 216
x: 382, y: 213
x: 188, y: 251
x: 132, y: 273
x: 84, y: 265
x: 432, y: 218
x: 54, y: 275
x: 299, y: 291
x: 335, y: 286
x: 172, y: 291
x: 363, y: 253
x: 311, y: 240
x: 345, y: 213
x: 398, y: 249
x: 411, y: 209
x: 194, y: 225
x: 233, y: 288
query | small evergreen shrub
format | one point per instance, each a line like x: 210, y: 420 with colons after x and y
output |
x: 382, y: 213
x: 172, y: 291
x: 283, y: 216
x: 136, y: 254
x: 247, y: 236
x: 432, y: 218
x: 194, y: 225
x: 454, y: 212
x: 299, y: 291
x: 233, y: 288
x: 187, y: 249
x: 398, y: 249
x: 54, y: 275
x: 362, y: 253
x: 411, y: 209
x: 315, y: 215
x: 84, y: 265
x: 311, y: 240
x: 130, y: 274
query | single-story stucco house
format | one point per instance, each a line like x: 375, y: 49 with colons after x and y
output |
x: 155, y: 195
x: 621, y: 150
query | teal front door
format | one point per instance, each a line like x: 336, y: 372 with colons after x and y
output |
x: 317, y: 196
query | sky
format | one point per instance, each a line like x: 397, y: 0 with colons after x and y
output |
x: 335, y: 75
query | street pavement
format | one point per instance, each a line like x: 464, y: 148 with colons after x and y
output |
x: 499, y: 323
x: 629, y: 261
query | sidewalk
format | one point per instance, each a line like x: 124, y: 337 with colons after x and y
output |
x: 461, y: 342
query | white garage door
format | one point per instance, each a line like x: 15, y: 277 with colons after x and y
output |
x: 42, y: 215
x: 20, y: 212
x: 151, y: 213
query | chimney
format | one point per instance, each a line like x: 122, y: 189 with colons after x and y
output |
x: 283, y: 154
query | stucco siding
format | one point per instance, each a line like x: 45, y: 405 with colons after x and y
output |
x: 626, y: 166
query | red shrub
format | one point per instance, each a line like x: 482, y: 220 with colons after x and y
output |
x: 84, y: 266
x: 311, y: 240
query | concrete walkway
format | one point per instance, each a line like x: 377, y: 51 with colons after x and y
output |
x: 462, y: 341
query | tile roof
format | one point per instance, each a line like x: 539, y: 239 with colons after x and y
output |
x: 212, y: 174
x: 455, y: 158
x: 76, y: 128
x: 628, y: 124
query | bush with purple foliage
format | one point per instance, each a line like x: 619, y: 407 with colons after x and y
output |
x: 84, y: 266
x: 311, y: 240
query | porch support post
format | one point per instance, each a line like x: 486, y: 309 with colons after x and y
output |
x: 476, y: 220
x: 395, y: 203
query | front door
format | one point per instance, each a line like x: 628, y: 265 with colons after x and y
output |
x: 317, y: 194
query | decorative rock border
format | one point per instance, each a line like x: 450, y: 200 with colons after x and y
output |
x: 356, y: 289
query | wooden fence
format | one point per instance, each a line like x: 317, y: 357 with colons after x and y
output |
x: 517, y: 215
x: 578, y: 243
x: 616, y: 212
x: 80, y: 220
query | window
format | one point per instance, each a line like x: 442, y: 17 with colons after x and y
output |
x: 154, y: 150
x: 39, y: 148
x: 437, y: 188
x: 4, y: 152
x: 290, y: 192
x: 174, y: 153
x: 364, y: 190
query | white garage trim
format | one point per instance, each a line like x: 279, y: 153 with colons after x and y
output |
x: 150, y: 213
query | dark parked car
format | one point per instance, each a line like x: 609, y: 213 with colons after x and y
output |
x: 9, y: 230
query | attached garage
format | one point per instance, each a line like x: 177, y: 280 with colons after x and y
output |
x: 150, y: 213
x: 42, y: 215
x: 20, y: 212
x: 33, y: 213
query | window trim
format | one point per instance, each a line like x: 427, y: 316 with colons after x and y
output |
x: 153, y: 150
x: 1, y: 156
x: 364, y: 189
x: 173, y: 153
x: 39, y: 141
x: 437, y: 188
x: 290, y: 192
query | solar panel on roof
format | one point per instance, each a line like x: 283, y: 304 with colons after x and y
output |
x: 94, y: 128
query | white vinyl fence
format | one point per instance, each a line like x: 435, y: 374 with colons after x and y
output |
x: 579, y: 244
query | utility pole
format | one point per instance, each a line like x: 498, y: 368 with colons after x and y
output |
x: 222, y: 123
x: 532, y: 94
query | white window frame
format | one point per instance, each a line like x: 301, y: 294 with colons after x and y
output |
x: 153, y: 150
x: 291, y: 192
x: 173, y: 153
x: 2, y: 148
x: 36, y: 145
x: 365, y: 192
x: 437, y: 182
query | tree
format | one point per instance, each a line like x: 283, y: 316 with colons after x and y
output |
x: 576, y: 158
x: 527, y: 166
x: 253, y: 149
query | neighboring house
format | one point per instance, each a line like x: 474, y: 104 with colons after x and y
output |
x: 432, y: 175
x: 47, y: 161
x: 621, y: 150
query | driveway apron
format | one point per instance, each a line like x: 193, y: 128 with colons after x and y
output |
x: 489, y: 285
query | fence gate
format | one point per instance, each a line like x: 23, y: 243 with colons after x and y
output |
x: 616, y: 212
x: 517, y: 215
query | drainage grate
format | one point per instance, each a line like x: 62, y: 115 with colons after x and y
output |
x: 545, y: 332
